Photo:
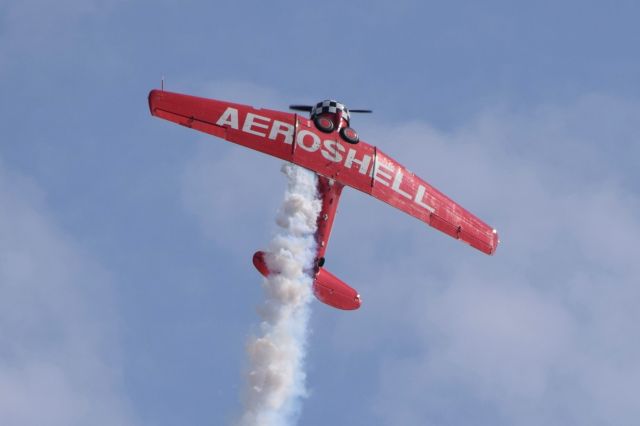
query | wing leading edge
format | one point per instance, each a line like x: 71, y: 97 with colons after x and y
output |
x: 294, y: 138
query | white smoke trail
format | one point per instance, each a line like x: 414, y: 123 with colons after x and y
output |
x: 276, y: 379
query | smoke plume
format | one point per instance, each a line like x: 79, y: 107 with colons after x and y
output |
x: 276, y: 379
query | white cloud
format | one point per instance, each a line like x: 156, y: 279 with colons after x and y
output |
x: 233, y: 194
x: 59, y: 358
x: 545, y: 332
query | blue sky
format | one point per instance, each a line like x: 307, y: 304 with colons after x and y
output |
x: 126, y: 285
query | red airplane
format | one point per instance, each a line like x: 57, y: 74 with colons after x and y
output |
x: 327, y: 145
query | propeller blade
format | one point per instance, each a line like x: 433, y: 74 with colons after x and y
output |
x: 306, y: 108
x: 368, y: 111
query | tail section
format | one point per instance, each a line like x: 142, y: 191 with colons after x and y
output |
x: 327, y: 288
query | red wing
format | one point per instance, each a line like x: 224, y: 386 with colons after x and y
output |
x: 369, y: 170
x: 397, y: 186
x: 264, y: 130
x: 361, y: 166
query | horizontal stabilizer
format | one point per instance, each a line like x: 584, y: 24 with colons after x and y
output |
x: 260, y: 264
x: 327, y: 288
x: 331, y: 290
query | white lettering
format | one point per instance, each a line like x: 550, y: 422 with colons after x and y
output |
x: 251, y: 121
x: 229, y: 117
x: 351, y: 158
x: 419, y: 199
x: 397, y: 181
x: 300, y: 141
x: 379, y: 173
x: 281, y: 128
x: 330, y: 150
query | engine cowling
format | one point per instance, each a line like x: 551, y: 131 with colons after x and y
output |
x: 334, y: 292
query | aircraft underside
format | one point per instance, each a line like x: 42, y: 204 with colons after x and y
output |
x: 327, y: 288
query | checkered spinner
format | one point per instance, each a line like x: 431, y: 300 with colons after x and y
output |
x: 331, y: 107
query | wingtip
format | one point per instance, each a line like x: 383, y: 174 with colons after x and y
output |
x: 496, y: 241
x: 153, y: 96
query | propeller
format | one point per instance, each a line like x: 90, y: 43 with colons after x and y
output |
x: 306, y: 108
x: 309, y: 108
